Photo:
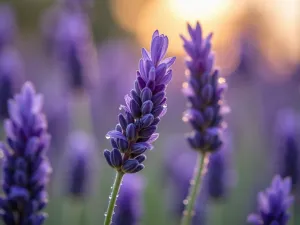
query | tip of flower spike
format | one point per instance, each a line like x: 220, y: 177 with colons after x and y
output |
x: 155, y: 34
x: 209, y: 37
x: 28, y: 86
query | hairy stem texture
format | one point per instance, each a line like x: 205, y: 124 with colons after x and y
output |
x: 194, y: 189
x: 113, y: 198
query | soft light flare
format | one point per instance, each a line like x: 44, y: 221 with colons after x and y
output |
x: 199, y: 9
x: 168, y: 18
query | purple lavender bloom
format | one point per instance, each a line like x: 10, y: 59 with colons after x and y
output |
x: 7, y: 25
x: 129, y: 203
x: 79, y: 164
x: 288, y: 151
x: 67, y: 35
x: 220, y: 175
x: 57, y: 110
x: 10, y: 77
x: 204, y: 90
x: 216, y: 175
x: 72, y: 35
x: 26, y: 168
x: 145, y: 105
x: 273, y: 204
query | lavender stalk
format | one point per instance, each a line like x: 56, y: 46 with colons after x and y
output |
x: 145, y: 106
x: 204, y: 91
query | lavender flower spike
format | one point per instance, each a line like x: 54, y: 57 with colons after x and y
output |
x: 273, y: 204
x: 145, y: 105
x: 221, y: 176
x: 26, y: 168
x: 80, y: 166
x: 204, y: 90
x: 288, y: 151
x: 129, y: 204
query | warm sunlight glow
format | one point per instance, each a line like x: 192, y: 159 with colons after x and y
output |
x: 281, y: 46
x: 274, y: 20
x: 161, y: 15
x: 126, y: 14
x: 199, y: 9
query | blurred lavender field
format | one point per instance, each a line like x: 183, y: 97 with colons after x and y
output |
x: 83, y: 56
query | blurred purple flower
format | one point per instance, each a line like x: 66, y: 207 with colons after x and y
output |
x: 220, y: 174
x: 68, y: 37
x: 58, y: 113
x: 26, y: 168
x: 249, y: 55
x: 273, y: 204
x: 204, y: 90
x: 120, y: 76
x: 77, y: 5
x: 288, y: 150
x: 7, y: 25
x: 79, y: 164
x: 10, y: 77
x: 144, y: 108
x: 129, y: 208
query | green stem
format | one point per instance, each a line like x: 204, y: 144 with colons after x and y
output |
x: 113, y: 198
x: 194, y: 190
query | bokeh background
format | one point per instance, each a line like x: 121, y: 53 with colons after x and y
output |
x: 257, y: 48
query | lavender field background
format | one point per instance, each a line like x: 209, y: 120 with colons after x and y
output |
x: 83, y: 56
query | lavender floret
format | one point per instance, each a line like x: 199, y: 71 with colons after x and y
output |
x: 129, y: 204
x: 26, y: 168
x: 145, y: 105
x: 204, y: 90
x: 273, y: 204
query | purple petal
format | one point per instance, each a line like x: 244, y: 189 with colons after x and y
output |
x: 127, y: 100
x: 143, y: 69
x: 155, y: 34
x: 169, y: 61
x: 167, y: 78
x: 165, y: 45
x: 153, y: 138
x: 145, y: 54
x: 115, y: 134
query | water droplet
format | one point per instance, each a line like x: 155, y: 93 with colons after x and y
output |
x: 105, y: 214
x: 107, y: 136
x: 221, y: 80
